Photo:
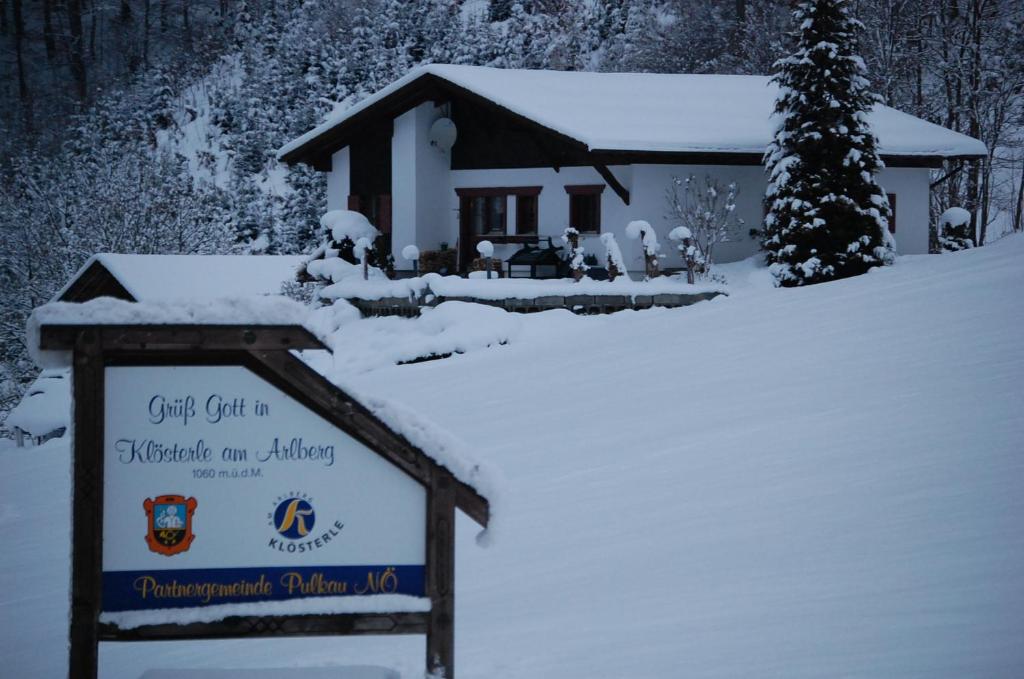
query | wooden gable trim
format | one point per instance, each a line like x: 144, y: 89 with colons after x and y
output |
x: 478, y: 191
x: 95, y: 281
x: 584, y: 189
x: 179, y: 337
x: 613, y: 181
x: 317, y: 151
x: 620, y: 157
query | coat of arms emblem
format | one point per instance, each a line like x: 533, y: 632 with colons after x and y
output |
x: 169, y: 523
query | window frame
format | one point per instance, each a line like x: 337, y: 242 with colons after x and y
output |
x: 577, y: 192
x: 466, y: 194
x: 534, y: 215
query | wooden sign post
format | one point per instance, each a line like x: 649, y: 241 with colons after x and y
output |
x: 212, y: 466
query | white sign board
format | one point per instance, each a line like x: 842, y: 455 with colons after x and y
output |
x: 220, y: 488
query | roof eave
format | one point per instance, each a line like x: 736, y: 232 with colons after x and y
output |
x: 317, y: 150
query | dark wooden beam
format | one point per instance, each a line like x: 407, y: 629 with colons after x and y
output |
x: 621, y: 157
x: 86, y: 505
x: 606, y: 174
x: 441, y: 500
x: 276, y: 626
x: 949, y: 175
x: 294, y: 376
x: 176, y: 337
x: 95, y: 281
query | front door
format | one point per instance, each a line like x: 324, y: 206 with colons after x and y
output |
x: 482, y: 215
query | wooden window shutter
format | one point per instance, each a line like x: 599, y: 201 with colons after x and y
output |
x: 384, y: 213
x: 892, y: 209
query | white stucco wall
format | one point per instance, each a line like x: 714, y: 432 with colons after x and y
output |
x: 338, y: 183
x: 653, y: 182
x: 911, y: 186
x: 425, y: 207
x: 648, y: 185
x: 552, y: 202
x: 419, y: 184
x: 403, y: 183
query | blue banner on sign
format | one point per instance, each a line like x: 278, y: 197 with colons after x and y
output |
x: 139, y: 590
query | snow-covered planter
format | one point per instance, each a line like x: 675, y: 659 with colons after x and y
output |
x: 954, y: 230
x: 644, y: 232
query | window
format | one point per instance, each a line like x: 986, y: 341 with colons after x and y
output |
x: 585, y: 207
x: 485, y: 211
x: 892, y: 208
x: 526, y: 215
x: 486, y: 214
x: 376, y: 209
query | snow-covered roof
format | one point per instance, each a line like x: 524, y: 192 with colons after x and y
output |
x: 150, y: 278
x: 675, y: 113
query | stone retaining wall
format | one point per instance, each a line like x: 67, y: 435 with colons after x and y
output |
x: 580, y: 304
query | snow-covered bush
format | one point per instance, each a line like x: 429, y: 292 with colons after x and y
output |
x: 644, y: 232
x: 706, y: 212
x: 571, y: 238
x: 341, y: 232
x: 954, y: 230
x: 348, y: 224
x: 613, y: 256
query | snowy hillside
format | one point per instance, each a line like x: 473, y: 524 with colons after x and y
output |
x: 812, y: 482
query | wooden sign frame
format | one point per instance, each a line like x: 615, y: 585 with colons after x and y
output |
x: 266, y: 351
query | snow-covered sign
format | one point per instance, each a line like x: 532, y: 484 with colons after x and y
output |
x: 243, y: 494
x: 223, y: 488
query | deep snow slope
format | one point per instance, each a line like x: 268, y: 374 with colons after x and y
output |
x: 820, y: 482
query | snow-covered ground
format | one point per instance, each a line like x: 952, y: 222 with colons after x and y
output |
x: 819, y: 482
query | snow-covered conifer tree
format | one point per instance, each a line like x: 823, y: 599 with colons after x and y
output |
x: 827, y: 217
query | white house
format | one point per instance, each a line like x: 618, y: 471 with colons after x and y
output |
x: 537, y: 151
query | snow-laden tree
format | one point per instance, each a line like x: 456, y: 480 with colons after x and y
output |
x: 706, y: 213
x: 827, y: 217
